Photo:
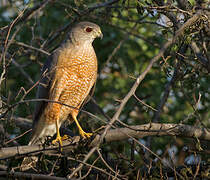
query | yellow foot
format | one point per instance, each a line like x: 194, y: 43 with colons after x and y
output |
x: 65, y: 137
x: 60, y: 139
x: 85, y: 135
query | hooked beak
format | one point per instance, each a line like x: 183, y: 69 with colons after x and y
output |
x: 99, y: 34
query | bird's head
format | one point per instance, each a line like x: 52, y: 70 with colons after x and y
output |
x: 85, y: 32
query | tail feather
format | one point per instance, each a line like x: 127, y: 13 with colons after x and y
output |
x: 38, y: 137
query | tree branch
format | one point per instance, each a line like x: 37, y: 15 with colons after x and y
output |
x: 142, y: 76
x: 132, y: 91
x: 30, y: 175
x: 118, y: 134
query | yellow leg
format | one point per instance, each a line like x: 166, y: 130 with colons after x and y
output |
x: 56, y: 113
x: 82, y: 133
x: 58, y: 137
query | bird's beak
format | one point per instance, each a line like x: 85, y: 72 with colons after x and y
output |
x: 99, y: 34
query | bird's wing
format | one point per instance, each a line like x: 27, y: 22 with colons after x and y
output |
x: 47, y: 75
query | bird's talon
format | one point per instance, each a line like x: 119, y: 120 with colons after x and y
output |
x: 65, y: 137
x: 85, y: 135
x: 58, y: 139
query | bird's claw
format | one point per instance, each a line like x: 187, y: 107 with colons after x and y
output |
x: 85, y: 135
x: 65, y: 137
x: 58, y: 139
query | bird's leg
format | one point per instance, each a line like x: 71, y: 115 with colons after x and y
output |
x: 82, y: 133
x: 58, y: 137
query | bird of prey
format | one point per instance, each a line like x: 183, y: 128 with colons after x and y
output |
x: 69, y: 75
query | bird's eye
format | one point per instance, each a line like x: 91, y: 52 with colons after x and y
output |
x: 88, y: 29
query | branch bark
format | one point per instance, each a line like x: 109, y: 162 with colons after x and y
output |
x: 30, y: 175
x: 118, y: 134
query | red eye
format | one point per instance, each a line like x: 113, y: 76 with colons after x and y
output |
x: 88, y: 29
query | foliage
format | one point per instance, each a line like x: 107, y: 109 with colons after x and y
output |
x: 177, y: 86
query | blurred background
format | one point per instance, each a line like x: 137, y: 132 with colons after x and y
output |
x: 176, y: 89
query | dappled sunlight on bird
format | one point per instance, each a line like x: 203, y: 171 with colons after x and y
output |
x: 70, y: 76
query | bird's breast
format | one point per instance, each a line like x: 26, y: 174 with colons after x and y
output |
x: 76, y: 73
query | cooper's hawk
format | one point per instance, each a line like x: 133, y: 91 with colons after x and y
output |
x: 68, y: 77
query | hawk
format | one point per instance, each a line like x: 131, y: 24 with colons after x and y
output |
x: 68, y: 77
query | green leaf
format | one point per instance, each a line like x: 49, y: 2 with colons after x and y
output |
x: 192, y: 2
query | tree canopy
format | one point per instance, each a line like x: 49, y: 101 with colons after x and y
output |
x: 150, y: 112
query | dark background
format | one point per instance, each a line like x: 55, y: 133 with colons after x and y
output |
x: 177, y: 86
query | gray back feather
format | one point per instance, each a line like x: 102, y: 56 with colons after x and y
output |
x: 47, y: 75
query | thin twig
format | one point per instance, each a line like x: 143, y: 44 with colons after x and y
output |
x: 23, y: 72
x: 144, y: 103
x: 106, y: 164
x: 82, y: 164
x: 17, y: 137
x: 31, y: 47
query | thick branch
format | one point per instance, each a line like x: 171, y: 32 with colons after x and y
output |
x: 155, y: 129
x: 30, y: 175
x: 138, y: 131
